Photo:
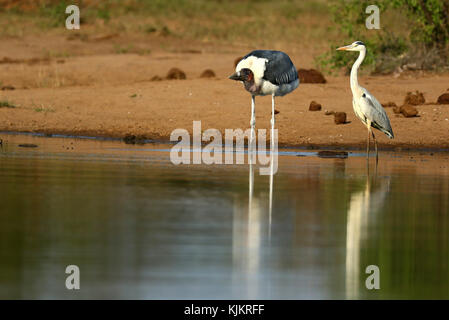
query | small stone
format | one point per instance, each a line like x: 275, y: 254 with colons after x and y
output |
x: 130, y: 139
x: 333, y: 154
x: 340, y: 117
x: 310, y: 76
x: 314, y: 106
x: 156, y: 78
x: 133, y: 139
x: 28, y: 145
x: 208, y: 73
x: 443, y: 99
x: 414, y: 99
x: 175, y: 73
x: 409, y: 111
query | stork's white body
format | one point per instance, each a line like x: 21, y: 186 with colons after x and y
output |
x: 274, y: 74
x: 258, y: 67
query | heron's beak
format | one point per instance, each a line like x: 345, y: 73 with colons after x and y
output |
x: 344, y: 48
x: 236, y: 76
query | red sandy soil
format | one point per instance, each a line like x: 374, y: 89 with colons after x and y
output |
x: 96, y: 93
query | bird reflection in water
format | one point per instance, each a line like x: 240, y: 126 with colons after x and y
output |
x: 363, y: 208
x: 251, y: 238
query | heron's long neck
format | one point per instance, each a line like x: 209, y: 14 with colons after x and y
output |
x: 355, y: 88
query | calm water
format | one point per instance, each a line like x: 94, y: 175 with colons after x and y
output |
x: 139, y: 227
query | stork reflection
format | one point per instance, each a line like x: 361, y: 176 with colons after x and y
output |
x: 252, y: 231
x: 362, y: 211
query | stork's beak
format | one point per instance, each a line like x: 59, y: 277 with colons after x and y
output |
x: 344, y: 48
x: 236, y: 76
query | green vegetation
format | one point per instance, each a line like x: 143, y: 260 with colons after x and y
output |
x: 53, y: 13
x: 6, y: 104
x: 43, y: 109
x: 246, y: 21
x: 414, y: 34
x: 122, y: 49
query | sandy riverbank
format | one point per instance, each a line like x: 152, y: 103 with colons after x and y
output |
x: 98, y: 93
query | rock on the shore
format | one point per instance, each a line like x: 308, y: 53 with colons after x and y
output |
x: 133, y: 139
x: 340, y: 117
x: 28, y: 145
x: 333, y: 154
x: 443, y: 99
x: 414, y: 99
x: 310, y: 76
x: 208, y: 73
x: 409, y: 111
x: 156, y: 78
x: 314, y: 106
x: 175, y: 73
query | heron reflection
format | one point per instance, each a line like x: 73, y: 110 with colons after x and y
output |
x: 362, y: 211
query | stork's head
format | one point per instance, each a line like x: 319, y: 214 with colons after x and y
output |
x: 245, y: 75
x: 355, y: 46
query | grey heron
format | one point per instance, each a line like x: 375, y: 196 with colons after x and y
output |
x: 366, y: 107
x: 266, y: 72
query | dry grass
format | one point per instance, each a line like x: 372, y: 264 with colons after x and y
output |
x: 248, y: 21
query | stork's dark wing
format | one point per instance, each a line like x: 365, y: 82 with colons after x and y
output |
x: 279, y: 69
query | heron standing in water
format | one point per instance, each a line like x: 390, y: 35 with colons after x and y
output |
x: 366, y: 106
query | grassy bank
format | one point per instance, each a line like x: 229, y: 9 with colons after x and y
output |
x: 249, y: 22
x: 291, y: 25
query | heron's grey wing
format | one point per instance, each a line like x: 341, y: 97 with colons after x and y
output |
x: 373, y: 111
x: 279, y: 69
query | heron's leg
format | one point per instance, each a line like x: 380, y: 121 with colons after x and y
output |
x: 272, y: 119
x: 253, y: 120
x: 367, y: 143
x: 375, y: 146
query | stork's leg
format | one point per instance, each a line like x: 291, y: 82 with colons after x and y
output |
x: 253, y: 120
x: 375, y: 146
x: 272, y: 120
